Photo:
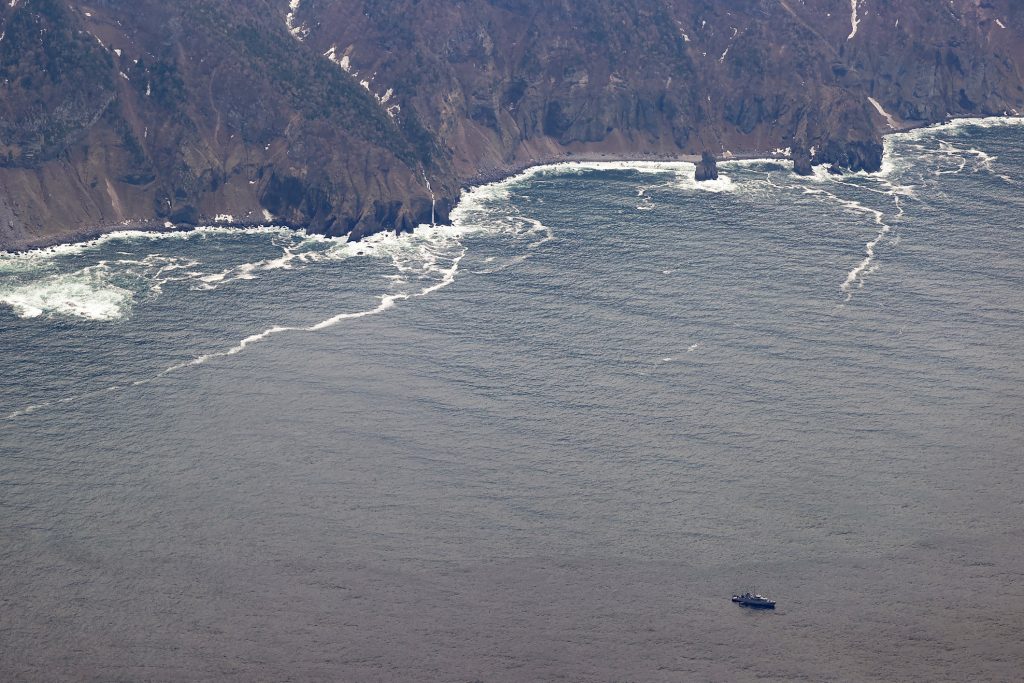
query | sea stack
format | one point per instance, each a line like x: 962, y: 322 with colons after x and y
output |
x: 802, y: 161
x: 707, y: 169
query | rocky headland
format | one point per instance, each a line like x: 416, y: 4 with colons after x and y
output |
x: 348, y: 117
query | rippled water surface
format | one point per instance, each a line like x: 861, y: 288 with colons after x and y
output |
x: 546, y: 442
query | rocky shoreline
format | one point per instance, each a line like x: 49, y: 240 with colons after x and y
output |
x: 257, y: 112
x: 702, y: 164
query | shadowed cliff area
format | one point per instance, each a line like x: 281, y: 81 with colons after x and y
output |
x: 348, y: 117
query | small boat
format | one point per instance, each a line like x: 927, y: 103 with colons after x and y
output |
x: 755, y: 600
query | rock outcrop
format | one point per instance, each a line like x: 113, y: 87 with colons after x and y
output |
x: 707, y: 168
x: 348, y: 117
x: 801, y: 157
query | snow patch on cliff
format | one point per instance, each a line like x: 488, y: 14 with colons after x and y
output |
x: 854, y: 21
x: 345, y: 64
x: 888, y: 117
x: 300, y: 32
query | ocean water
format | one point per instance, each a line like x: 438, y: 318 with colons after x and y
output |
x: 547, y: 442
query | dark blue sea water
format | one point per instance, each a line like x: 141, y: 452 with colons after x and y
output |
x: 548, y: 442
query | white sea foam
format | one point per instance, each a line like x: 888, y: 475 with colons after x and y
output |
x: 867, y: 265
x: 922, y: 152
x: 87, y: 294
x: 106, y: 290
x: 423, y: 263
x: 721, y: 184
x: 136, y: 235
x: 682, y: 172
x: 758, y: 163
x: 956, y: 126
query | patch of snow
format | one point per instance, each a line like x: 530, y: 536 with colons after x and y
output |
x: 854, y: 21
x: 224, y: 218
x: 267, y: 216
x: 1000, y: 24
x: 783, y: 152
x: 168, y: 224
x: 887, y: 115
x: 682, y: 32
x: 124, y: 76
x: 117, y: 51
x: 149, y: 88
x: 345, y: 64
x: 722, y: 58
x: 299, y: 32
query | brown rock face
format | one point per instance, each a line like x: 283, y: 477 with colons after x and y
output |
x: 802, y: 161
x: 707, y: 168
x: 346, y: 117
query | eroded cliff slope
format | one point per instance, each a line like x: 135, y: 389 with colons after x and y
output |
x: 349, y: 116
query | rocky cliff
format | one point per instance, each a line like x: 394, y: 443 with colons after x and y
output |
x: 351, y: 116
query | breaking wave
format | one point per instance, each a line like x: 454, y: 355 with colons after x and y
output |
x: 104, y: 280
x: 52, y: 282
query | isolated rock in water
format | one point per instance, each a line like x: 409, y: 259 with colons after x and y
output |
x: 707, y: 169
x: 802, y: 161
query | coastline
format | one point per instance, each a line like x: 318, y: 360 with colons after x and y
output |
x: 482, y: 178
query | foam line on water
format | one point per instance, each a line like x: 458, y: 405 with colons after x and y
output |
x: 681, y: 171
x: 867, y: 265
x: 105, y: 291
x: 415, y: 256
x: 75, y: 248
x: 436, y: 271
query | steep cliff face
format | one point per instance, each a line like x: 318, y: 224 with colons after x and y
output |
x: 351, y: 116
x: 504, y: 82
x: 144, y: 113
